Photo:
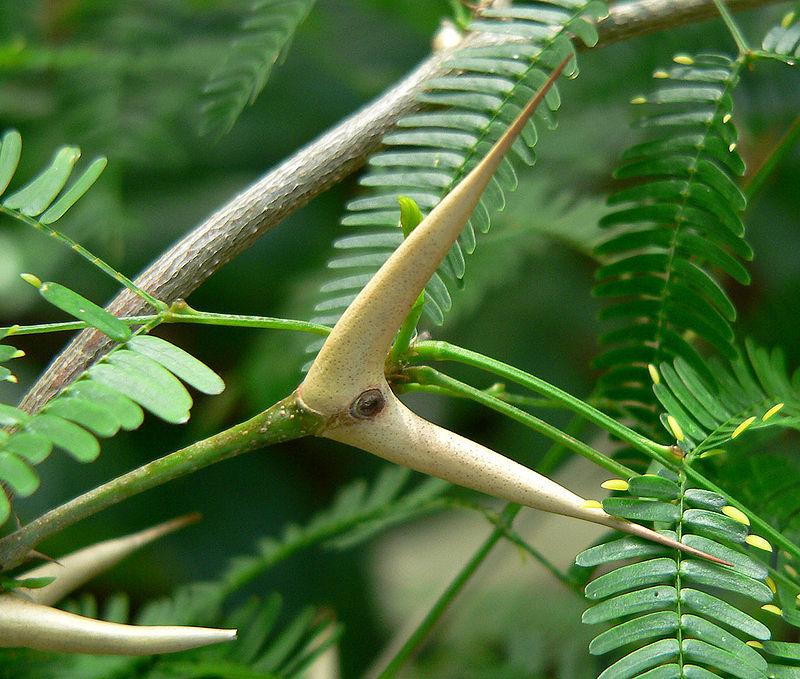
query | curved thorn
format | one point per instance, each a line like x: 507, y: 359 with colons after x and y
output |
x: 75, y: 569
x: 350, y: 367
x: 24, y: 623
x: 401, y: 436
x: 365, y: 330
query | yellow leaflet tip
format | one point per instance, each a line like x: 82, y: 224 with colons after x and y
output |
x: 732, y: 148
x: 591, y: 504
x: 774, y: 410
x: 772, y: 608
x: 744, y: 425
x: 615, y: 484
x: 675, y: 428
x: 790, y: 570
x: 13, y: 379
x: 736, y: 514
x: 758, y: 542
x: 787, y: 20
x: 797, y: 596
x: 660, y: 74
x: 639, y: 100
x: 711, y: 453
x: 29, y: 278
x: 683, y: 59
x: 771, y: 584
x: 18, y: 354
x: 653, y: 373
x: 754, y: 644
x: 726, y: 118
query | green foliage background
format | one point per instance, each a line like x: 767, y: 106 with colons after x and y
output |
x: 124, y: 80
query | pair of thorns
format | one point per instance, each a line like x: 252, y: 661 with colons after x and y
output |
x: 347, y: 390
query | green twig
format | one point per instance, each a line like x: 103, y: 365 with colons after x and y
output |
x: 282, y: 422
x: 444, y: 351
x: 514, y: 399
x: 193, y: 316
x: 733, y: 28
x: 185, y: 314
x: 426, y: 375
x: 92, y: 259
x: 407, y: 331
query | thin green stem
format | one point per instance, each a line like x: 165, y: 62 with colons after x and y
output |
x: 190, y: 315
x: 91, y: 258
x: 557, y: 453
x: 193, y: 316
x: 507, y: 516
x: 733, y: 28
x: 444, y: 351
x: 775, y: 158
x: 67, y: 326
x: 407, y: 331
x: 284, y: 421
x: 428, y: 376
x: 514, y: 399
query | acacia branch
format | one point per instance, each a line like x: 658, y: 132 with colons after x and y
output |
x: 310, y: 171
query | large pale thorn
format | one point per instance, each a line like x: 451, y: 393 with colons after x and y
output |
x: 24, y: 623
x: 365, y: 330
x: 76, y: 569
x: 401, y: 436
x: 28, y: 620
x: 347, y: 384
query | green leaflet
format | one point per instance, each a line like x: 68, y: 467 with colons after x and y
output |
x: 146, y: 382
x: 665, y: 622
x: 89, y: 415
x: 429, y: 152
x: 17, y: 474
x: 7, y: 352
x: 7, y: 584
x: 66, y: 435
x: 43, y: 194
x: 672, y: 228
x: 76, y: 190
x: 10, y: 150
x: 753, y: 392
x: 34, y: 198
x: 127, y: 413
x: 178, y: 362
x: 81, y: 308
x: 785, y: 37
x: 144, y: 371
